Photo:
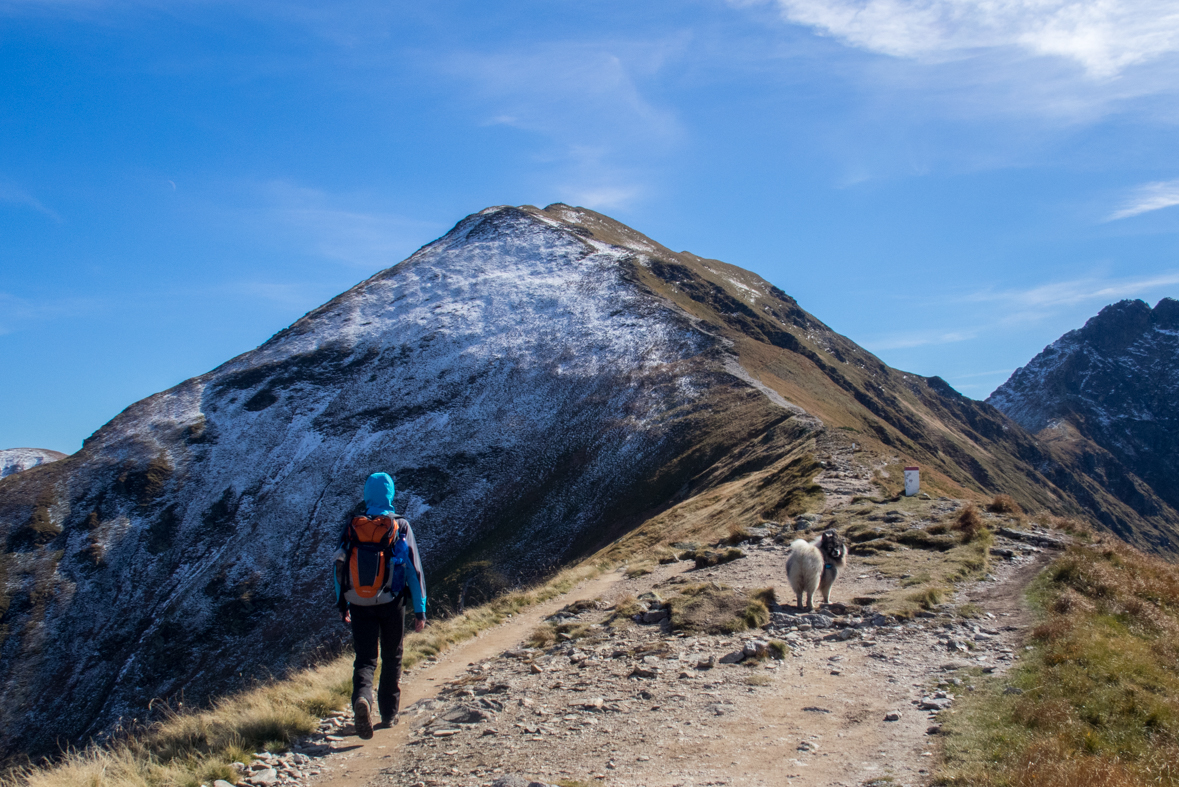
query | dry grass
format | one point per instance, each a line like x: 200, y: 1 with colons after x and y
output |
x: 191, y: 748
x: 970, y: 524
x: 640, y: 569
x: 717, y: 609
x: 1100, y: 701
x: 196, y: 747
x: 737, y: 534
x: 1004, y: 504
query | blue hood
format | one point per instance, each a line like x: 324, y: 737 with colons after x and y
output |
x: 378, y: 494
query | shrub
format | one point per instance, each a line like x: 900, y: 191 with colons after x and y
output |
x: 1004, y: 504
x: 737, y: 534
x: 969, y: 524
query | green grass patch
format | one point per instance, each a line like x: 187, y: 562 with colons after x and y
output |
x: 1099, y: 701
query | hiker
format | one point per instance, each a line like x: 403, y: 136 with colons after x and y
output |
x: 376, y: 567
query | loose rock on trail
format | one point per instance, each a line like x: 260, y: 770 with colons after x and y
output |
x: 856, y: 695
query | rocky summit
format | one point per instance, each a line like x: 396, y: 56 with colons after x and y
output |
x: 544, y: 385
x: 1106, y: 394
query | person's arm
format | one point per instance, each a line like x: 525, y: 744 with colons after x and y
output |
x: 339, y: 567
x: 416, y: 581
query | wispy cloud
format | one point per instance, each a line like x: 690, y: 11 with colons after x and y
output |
x: 904, y: 341
x: 1034, y: 301
x: 17, y: 313
x: 1104, y: 37
x: 1148, y: 197
x: 339, y: 228
x: 18, y: 196
x: 598, y: 129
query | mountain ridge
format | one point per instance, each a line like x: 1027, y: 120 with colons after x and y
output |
x: 544, y: 384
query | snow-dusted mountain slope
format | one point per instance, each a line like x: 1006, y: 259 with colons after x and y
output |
x: 14, y: 460
x: 542, y: 384
x: 1111, y: 391
x: 525, y: 393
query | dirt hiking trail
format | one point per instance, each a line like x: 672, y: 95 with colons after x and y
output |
x: 855, y: 699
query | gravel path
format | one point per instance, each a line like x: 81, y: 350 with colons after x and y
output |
x: 856, y: 698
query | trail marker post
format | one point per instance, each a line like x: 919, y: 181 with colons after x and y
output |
x: 912, y: 481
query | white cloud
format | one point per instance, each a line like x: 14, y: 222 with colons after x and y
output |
x: 18, y: 313
x: 1032, y: 302
x: 909, y: 340
x: 18, y: 196
x: 1148, y: 197
x: 598, y: 131
x: 1104, y: 37
x: 332, y: 226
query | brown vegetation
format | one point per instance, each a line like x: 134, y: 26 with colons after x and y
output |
x: 1004, y: 504
x: 1100, y: 691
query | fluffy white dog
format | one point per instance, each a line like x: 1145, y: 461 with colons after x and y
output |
x: 815, y: 565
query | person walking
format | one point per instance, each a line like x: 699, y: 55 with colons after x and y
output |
x: 377, y: 568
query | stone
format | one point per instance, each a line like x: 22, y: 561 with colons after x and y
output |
x: 706, y: 663
x: 535, y: 669
x: 221, y: 783
x: 755, y: 648
x: 643, y: 672
x: 892, y: 716
x: 733, y: 658
x: 264, y: 777
x: 934, y: 703
x: 655, y: 616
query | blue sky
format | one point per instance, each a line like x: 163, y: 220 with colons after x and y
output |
x: 951, y: 183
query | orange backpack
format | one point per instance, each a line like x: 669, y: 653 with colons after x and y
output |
x: 369, y: 540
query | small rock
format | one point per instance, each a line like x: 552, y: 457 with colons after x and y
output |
x: 755, y: 648
x: 535, y: 669
x: 733, y: 658
x: 934, y: 730
x: 892, y: 716
x: 264, y: 777
x: 707, y: 663
x: 643, y: 672
x: 1013, y: 690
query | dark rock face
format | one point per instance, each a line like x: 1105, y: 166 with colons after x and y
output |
x: 1116, y: 382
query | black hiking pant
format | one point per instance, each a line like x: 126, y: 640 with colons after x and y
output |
x: 378, y: 629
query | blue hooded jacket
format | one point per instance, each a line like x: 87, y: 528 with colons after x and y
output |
x: 378, y: 501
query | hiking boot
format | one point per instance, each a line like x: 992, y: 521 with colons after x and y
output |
x: 388, y: 721
x: 364, y: 722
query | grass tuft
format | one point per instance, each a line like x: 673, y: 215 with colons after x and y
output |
x: 1004, y: 504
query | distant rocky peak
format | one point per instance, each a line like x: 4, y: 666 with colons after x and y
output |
x: 1120, y: 324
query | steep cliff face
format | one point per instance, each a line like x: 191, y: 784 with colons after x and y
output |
x: 1107, y: 395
